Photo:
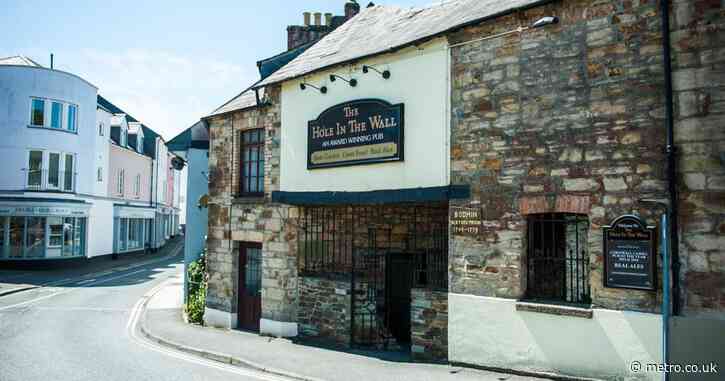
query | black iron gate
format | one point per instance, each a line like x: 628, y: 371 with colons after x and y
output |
x: 385, y: 250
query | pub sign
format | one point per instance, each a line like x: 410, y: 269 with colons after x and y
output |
x: 629, y: 254
x: 359, y: 132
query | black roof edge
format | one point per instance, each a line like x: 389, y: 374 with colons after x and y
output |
x: 418, y: 41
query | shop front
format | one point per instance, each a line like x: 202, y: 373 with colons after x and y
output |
x: 132, y: 228
x: 32, y: 230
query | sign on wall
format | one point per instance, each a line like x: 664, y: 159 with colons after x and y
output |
x: 358, y: 132
x: 465, y: 221
x: 629, y: 254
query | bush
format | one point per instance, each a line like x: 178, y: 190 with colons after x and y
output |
x: 196, y: 293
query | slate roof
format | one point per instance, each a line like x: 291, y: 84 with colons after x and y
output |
x: 19, y: 60
x: 106, y: 104
x: 244, y: 100
x: 196, y: 136
x: 380, y: 29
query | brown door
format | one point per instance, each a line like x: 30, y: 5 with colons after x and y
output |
x: 250, y: 286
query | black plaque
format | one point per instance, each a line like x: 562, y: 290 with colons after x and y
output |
x: 359, y: 132
x: 629, y: 254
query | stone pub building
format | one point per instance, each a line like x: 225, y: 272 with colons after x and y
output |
x: 481, y: 182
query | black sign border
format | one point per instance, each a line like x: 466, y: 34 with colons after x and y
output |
x: 401, y: 137
x: 652, y: 255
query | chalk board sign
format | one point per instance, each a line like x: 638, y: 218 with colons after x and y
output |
x: 359, y: 132
x: 629, y: 254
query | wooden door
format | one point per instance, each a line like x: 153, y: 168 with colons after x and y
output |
x: 249, y: 306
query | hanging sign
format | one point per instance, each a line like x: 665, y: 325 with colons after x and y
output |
x: 358, y: 132
x: 629, y: 254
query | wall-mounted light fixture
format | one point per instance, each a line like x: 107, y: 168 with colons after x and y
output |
x: 544, y: 21
x: 385, y: 73
x: 322, y: 89
x: 352, y: 82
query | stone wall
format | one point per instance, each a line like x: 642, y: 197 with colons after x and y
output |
x: 429, y: 325
x: 233, y: 219
x: 698, y: 55
x: 324, y: 309
x: 566, y: 118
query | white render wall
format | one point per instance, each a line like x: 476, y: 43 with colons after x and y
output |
x: 100, y: 226
x: 102, y: 152
x: 419, y: 80
x: 490, y: 332
x: 17, y: 85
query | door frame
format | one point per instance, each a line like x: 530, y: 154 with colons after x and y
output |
x: 241, y: 281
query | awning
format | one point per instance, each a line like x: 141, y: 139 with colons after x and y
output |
x: 392, y: 196
x: 124, y: 211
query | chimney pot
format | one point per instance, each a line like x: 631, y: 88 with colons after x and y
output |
x: 351, y: 9
x: 328, y: 19
x: 306, y: 16
x: 318, y: 18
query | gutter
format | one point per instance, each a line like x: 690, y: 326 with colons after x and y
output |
x: 671, y: 154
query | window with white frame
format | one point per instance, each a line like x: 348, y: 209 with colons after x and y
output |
x: 51, y: 170
x: 37, y: 112
x: 137, y: 185
x: 56, y: 114
x: 68, y: 173
x: 72, y: 118
x: 35, y: 169
x: 100, y: 129
x: 59, y: 116
x: 99, y: 174
x: 120, y: 185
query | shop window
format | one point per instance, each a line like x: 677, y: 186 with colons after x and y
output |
x: 37, y: 112
x: 79, y: 237
x: 3, y: 229
x: 35, y: 169
x: 557, y: 260
x: 55, y: 232
x: 35, y: 237
x: 56, y: 114
x: 72, y: 118
x: 252, y: 163
x: 123, y: 234
x: 16, y: 236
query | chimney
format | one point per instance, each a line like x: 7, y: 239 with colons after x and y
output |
x: 318, y: 18
x: 351, y: 9
x: 306, y: 16
x: 328, y: 19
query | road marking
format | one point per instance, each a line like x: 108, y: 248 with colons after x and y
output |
x: 69, y: 290
x: 132, y: 329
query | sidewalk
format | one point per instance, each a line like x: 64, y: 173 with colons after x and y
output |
x: 13, y: 281
x: 162, y: 322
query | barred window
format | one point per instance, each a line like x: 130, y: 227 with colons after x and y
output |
x: 251, y: 179
x: 557, y: 261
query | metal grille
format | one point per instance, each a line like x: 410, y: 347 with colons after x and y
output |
x: 557, y: 261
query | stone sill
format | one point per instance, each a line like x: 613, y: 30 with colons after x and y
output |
x: 553, y: 309
x: 249, y: 200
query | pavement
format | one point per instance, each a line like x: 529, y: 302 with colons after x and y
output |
x: 162, y: 322
x: 61, y: 272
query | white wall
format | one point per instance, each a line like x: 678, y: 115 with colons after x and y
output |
x: 17, y: 85
x: 102, y: 152
x: 490, y: 332
x: 419, y: 80
x: 100, y: 228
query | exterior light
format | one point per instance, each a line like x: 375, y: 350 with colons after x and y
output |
x: 322, y: 89
x: 544, y: 21
x: 385, y: 73
x: 352, y: 82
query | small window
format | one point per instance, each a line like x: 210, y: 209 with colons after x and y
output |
x: 35, y: 169
x: 137, y: 186
x: 120, y: 185
x: 68, y: 174
x: 37, y: 112
x: 252, y: 163
x: 72, y: 118
x: 557, y: 258
x: 100, y: 129
x: 56, y: 114
x: 99, y: 174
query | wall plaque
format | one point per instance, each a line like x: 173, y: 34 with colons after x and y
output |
x: 629, y: 254
x: 358, y: 132
x: 465, y: 221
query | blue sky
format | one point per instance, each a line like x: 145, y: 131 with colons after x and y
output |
x: 165, y: 62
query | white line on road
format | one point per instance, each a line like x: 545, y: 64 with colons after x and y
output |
x: 132, y: 329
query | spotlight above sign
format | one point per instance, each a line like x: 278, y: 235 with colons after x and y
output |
x: 385, y: 73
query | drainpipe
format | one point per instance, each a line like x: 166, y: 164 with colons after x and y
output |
x: 671, y: 152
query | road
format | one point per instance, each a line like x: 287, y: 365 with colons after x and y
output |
x: 86, y: 330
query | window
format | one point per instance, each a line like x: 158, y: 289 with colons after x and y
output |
x: 124, y: 137
x: 16, y: 236
x: 72, y: 118
x: 137, y: 185
x: 55, y: 232
x: 68, y: 175
x: 252, y: 163
x: 139, y: 145
x: 557, y: 260
x: 37, y: 112
x: 120, y: 185
x: 123, y: 234
x: 53, y: 170
x: 100, y: 129
x: 56, y: 114
x: 35, y: 169
x: 99, y: 175
x: 35, y: 237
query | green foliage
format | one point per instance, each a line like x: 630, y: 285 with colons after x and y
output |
x: 196, y: 297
